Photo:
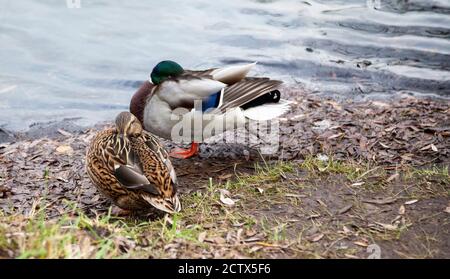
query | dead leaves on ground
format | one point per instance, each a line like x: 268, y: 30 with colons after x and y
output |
x: 409, y: 130
x: 46, y: 168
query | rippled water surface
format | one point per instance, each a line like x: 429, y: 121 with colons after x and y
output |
x: 58, y: 62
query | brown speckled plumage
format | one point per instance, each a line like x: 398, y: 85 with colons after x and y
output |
x: 129, y: 166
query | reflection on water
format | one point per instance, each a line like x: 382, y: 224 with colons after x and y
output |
x: 59, y: 63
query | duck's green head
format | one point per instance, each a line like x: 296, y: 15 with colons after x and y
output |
x: 165, y: 70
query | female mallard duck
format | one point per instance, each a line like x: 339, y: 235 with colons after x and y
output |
x: 225, y: 94
x: 129, y: 166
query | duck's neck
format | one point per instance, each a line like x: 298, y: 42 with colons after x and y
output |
x: 139, y: 100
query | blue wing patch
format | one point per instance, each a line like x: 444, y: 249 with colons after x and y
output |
x: 211, y: 102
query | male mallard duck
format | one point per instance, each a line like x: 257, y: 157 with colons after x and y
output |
x: 129, y: 166
x: 224, y: 93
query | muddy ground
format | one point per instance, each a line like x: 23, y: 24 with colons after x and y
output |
x: 350, y: 179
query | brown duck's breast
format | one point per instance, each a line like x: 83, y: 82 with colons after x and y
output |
x: 139, y: 99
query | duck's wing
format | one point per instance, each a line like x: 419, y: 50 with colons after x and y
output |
x: 149, y: 169
x: 154, y: 145
x: 206, y: 85
x: 228, y: 75
x: 246, y: 91
x: 184, y: 90
x: 159, y: 169
x: 130, y: 173
x: 132, y: 179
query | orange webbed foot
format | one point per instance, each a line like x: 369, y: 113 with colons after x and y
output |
x: 181, y: 153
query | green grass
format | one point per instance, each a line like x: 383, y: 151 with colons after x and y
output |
x: 353, y: 171
x: 435, y: 174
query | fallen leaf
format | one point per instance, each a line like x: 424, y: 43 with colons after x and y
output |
x: 425, y: 147
x: 392, y: 177
x: 407, y: 157
x: 255, y: 248
x: 265, y: 244
x: 347, y: 230
x: 64, y: 133
x: 384, y: 145
x: 388, y: 227
x: 322, y: 125
x: 224, y: 199
x: 295, y: 196
x: 250, y: 232
x: 434, y: 148
x: 351, y: 256
x: 62, y: 179
x: 64, y: 149
x: 172, y: 246
x: 335, y: 136
x: 322, y: 203
x: 208, y: 225
x: 201, y: 237
x: 260, y: 190
x: 224, y: 192
x: 238, y: 224
x: 447, y: 209
x: 322, y: 169
x: 238, y: 235
x: 380, y: 201
x: 360, y: 243
x: 219, y: 240
x: 225, y: 176
x: 345, y: 209
x: 335, y: 105
x: 390, y: 129
x: 95, y: 199
x: 401, y: 210
x: 254, y: 238
x: 312, y: 216
x: 411, y: 202
x: 396, y: 219
x: 316, y: 237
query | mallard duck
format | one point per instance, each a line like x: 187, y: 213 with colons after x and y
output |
x: 224, y: 93
x: 129, y: 166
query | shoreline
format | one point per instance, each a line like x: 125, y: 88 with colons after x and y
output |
x: 321, y: 125
x: 52, y: 128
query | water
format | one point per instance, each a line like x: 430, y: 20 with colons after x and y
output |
x: 85, y: 63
